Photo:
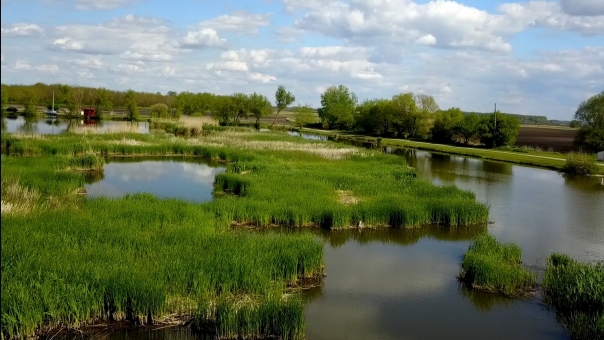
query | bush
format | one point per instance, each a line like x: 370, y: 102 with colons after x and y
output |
x: 580, y: 164
x: 492, y: 266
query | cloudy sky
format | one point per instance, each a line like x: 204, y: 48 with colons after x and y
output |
x: 535, y: 57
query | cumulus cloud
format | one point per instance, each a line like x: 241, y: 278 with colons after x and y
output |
x: 21, y: 30
x: 583, y: 7
x: 240, y: 22
x: 102, y: 4
x: 206, y: 37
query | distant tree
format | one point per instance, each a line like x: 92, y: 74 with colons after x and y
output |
x: 303, y: 115
x: 29, y: 102
x: 574, y: 123
x: 240, y: 106
x: 224, y: 109
x: 132, y: 106
x: 75, y: 101
x: 102, y: 99
x: 159, y: 110
x: 498, y: 130
x: 590, y: 114
x: 4, y: 98
x: 282, y: 99
x: 64, y: 94
x: 409, y: 120
x: 338, y: 107
x: 467, y: 128
x: 259, y: 106
x: 445, y: 124
x: 426, y: 103
x: 171, y: 94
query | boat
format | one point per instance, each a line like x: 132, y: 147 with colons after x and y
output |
x: 52, y: 112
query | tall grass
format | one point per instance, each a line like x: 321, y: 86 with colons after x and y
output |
x: 492, y: 266
x: 580, y: 164
x: 576, y: 291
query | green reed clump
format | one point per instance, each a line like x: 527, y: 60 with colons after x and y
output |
x: 492, y: 266
x: 580, y: 164
x: 571, y: 285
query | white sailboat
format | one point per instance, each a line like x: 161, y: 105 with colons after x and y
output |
x: 52, y: 112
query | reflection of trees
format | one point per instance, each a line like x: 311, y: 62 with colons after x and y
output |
x: 29, y: 125
x: 3, y: 123
x: 484, y: 301
x: 93, y: 176
x: 584, y: 183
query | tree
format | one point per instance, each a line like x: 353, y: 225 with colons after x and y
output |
x: 467, y: 128
x: 259, y: 106
x: 338, y: 107
x: 132, y: 106
x: 283, y: 99
x: 502, y: 133
x: 426, y: 103
x: 4, y: 97
x: 29, y: 102
x: 240, y: 106
x: 303, y: 115
x: 445, y: 124
x: 590, y: 114
x: 408, y: 119
x: 224, y: 109
x: 159, y: 110
x: 76, y: 97
x: 103, y: 99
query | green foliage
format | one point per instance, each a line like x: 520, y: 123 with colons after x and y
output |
x: 467, y: 128
x: 159, y: 110
x: 338, y: 107
x: 4, y: 97
x: 282, y: 99
x: 445, y: 125
x: 576, y: 291
x: 132, y: 106
x: 410, y: 120
x: 580, y: 164
x: 29, y: 104
x: 498, y: 130
x: 303, y: 115
x: 591, y: 138
x: 492, y: 266
x: 259, y: 106
x: 591, y: 111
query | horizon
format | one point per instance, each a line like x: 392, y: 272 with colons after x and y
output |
x: 538, y: 58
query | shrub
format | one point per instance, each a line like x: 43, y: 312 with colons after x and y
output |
x: 580, y: 164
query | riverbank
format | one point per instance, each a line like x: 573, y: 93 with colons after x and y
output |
x: 549, y: 160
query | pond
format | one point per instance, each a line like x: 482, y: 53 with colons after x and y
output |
x: 56, y: 126
x: 401, y: 284
x: 190, y: 180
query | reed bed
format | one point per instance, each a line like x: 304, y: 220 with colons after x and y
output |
x: 576, y: 291
x: 140, y: 258
x: 491, y: 266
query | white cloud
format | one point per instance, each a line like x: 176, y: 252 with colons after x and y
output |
x: 21, y: 30
x: 263, y: 78
x: 48, y: 68
x: 228, y: 66
x: 206, y: 37
x: 427, y: 39
x: 22, y: 65
x: 583, y: 7
x: 68, y: 44
x: 241, y: 22
x: 102, y: 4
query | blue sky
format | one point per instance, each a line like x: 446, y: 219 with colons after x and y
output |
x: 532, y: 57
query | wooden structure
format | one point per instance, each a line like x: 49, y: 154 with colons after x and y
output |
x: 89, y: 112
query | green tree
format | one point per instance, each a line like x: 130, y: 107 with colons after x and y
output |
x: 467, y: 128
x: 225, y: 108
x: 159, y: 110
x: 282, y: 99
x: 498, y: 130
x: 408, y: 119
x: 259, y: 106
x: 338, y: 107
x: 590, y: 114
x: 426, y: 103
x: 132, y: 106
x: 240, y: 106
x: 29, y: 102
x: 445, y: 123
x: 75, y: 101
x: 4, y: 98
x: 102, y: 99
x: 303, y: 115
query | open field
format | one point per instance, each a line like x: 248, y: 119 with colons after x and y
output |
x: 559, y: 139
x: 68, y: 260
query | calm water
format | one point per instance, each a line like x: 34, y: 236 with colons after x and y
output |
x: 54, y: 126
x: 191, y: 180
x: 400, y: 284
x: 310, y: 136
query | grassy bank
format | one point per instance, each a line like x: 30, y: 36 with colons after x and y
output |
x: 524, y: 156
x: 491, y: 266
x: 68, y: 260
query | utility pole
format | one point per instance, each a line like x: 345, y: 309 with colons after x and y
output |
x: 495, y: 131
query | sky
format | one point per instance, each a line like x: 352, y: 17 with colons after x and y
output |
x: 536, y: 57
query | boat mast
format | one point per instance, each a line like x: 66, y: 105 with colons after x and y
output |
x: 53, y: 100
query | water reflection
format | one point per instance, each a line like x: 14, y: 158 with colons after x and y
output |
x: 190, y: 180
x: 55, y: 126
x: 309, y: 136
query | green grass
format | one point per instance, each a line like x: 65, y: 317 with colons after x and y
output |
x: 139, y: 257
x: 550, y: 160
x: 576, y: 291
x: 491, y: 266
x: 580, y: 164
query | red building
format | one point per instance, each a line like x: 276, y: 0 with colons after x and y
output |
x: 89, y: 112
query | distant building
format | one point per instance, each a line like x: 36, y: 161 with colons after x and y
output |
x: 601, y: 156
x: 88, y: 112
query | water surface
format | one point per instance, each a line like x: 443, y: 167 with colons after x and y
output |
x: 57, y: 126
x: 190, y: 180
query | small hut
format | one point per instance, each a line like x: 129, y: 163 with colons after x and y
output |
x: 601, y: 156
